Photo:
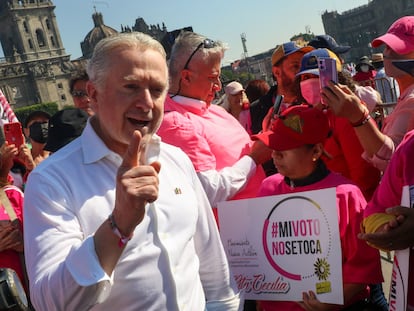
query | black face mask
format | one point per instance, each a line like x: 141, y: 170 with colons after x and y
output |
x: 39, y: 132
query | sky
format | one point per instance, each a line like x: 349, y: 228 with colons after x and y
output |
x: 265, y: 23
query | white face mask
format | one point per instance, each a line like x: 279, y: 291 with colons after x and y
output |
x: 364, y: 68
x: 311, y: 91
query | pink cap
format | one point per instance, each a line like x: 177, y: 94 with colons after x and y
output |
x: 399, y: 37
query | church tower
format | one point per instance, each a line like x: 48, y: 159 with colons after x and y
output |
x: 36, y: 67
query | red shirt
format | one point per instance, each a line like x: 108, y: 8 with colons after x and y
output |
x: 346, y: 156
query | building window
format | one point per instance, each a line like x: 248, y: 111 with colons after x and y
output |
x: 52, y: 40
x: 63, y: 97
x: 48, y: 24
x: 25, y: 27
x: 30, y: 44
x: 60, y: 85
x: 40, y: 38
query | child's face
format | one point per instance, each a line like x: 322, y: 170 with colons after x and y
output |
x: 295, y: 163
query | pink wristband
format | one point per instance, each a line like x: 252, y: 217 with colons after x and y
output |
x: 123, y: 240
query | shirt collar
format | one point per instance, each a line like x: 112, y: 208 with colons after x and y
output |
x: 192, y: 103
x: 94, y: 149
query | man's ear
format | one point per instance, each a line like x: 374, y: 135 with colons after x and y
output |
x: 276, y: 71
x: 92, y: 94
x: 185, y: 76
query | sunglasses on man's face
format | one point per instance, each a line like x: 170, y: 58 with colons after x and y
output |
x: 207, y: 44
x: 79, y: 94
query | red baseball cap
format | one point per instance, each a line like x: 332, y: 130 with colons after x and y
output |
x: 399, y: 37
x: 295, y: 127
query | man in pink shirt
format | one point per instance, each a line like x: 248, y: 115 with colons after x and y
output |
x: 226, y: 160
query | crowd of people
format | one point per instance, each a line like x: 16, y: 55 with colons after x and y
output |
x: 118, y: 196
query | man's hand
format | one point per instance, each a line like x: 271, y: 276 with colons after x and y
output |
x: 343, y: 102
x: 260, y: 153
x: 396, y: 234
x: 10, y: 238
x: 136, y: 185
x: 26, y: 156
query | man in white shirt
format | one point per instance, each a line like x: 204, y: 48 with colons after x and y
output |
x: 159, y: 248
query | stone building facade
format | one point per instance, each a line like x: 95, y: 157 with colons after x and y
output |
x: 359, y: 26
x: 35, y: 67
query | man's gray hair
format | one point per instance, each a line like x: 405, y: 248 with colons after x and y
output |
x: 185, y: 44
x: 100, y: 61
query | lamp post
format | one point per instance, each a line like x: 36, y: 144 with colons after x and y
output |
x: 243, y: 39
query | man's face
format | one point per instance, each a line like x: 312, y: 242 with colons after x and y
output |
x: 202, y: 79
x: 132, y: 97
x: 286, y: 71
x: 80, y: 97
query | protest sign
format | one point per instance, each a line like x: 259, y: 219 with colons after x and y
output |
x: 280, y: 246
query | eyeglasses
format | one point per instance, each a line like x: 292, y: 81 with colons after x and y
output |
x: 207, y: 43
x: 79, y: 94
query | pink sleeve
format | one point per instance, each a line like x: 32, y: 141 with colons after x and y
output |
x: 15, y: 196
x: 179, y: 131
x: 399, y: 173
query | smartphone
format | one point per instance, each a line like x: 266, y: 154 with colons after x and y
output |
x: 327, y: 71
x: 13, y: 133
x: 276, y: 106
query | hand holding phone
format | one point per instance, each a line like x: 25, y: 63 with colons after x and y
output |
x: 13, y: 134
x: 327, y: 71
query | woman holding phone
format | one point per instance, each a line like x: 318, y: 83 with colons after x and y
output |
x: 343, y: 150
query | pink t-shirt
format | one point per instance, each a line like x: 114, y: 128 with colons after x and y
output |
x: 399, y: 173
x: 360, y: 262
x: 396, y: 125
x: 211, y: 137
x: 10, y: 258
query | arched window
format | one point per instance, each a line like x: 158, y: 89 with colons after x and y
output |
x: 30, y: 44
x: 48, y: 24
x: 40, y: 38
x: 52, y: 40
x: 25, y: 26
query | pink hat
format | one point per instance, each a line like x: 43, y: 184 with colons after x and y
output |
x: 233, y: 88
x: 399, y: 37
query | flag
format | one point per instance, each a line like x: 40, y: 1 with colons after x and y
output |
x: 6, y: 112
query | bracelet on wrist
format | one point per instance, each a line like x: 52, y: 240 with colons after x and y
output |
x: 123, y: 239
x: 364, y: 119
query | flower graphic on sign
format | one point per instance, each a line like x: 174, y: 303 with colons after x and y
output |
x: 322, y: 269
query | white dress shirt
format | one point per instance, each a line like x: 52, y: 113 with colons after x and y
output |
x: 175, y: 260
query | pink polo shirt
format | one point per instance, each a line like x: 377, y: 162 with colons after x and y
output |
x: 214, y: 140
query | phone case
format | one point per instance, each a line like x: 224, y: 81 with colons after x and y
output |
x: 13, y: 133
x: 327, y: 70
